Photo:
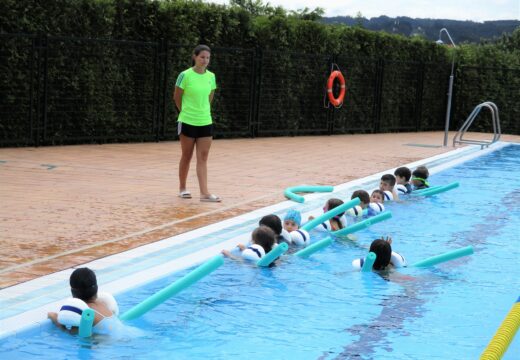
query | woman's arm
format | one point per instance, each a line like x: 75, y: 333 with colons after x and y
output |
x: 211, y: 94
x: 177, y: 97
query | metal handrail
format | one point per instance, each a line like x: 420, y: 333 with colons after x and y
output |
x: 458, y: 139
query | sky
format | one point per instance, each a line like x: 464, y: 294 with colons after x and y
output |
x: 475, y: 10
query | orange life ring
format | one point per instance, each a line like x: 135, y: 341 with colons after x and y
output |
x: 336, y: 74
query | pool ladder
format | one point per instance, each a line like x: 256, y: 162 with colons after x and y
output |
x: 458, y: 139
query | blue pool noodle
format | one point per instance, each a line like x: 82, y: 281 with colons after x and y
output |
x: 437, y: 190
x: 330, y: 214
x: 290, y: 191
x: 174, y: 288
x: 311, y: 249
x: 369, y: 262
x: 272, y: 255
x: 455, y: 254
x: 363, y: 224
x: 86, y: 322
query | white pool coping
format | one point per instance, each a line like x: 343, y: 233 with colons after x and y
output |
x: 52, y: 289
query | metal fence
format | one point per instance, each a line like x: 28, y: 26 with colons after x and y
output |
x: 59, y: 90
x: 499, y: 85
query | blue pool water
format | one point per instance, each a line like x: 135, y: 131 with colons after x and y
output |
x: 320, y: 308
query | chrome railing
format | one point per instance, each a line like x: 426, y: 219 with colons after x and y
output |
x: 458, y: 139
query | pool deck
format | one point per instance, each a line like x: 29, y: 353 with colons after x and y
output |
x: 68, y: 205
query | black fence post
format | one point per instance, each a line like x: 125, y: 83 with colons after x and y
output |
x: 41, y: 94
x: 378, y: 95
x: 331, y: 110
x: 156, y: 88
x: 164, y: 87
x: 256, y: 83
x: 454, y: 102
x: 32, y: 79
x: 419, y: 95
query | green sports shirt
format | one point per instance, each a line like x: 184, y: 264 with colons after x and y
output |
x: 196, y: 108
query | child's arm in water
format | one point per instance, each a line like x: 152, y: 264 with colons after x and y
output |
x: 228, y: 253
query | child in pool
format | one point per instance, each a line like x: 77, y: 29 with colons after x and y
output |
x: 383, y: 250
x: 291, y: 226
x: 273, y: 222
x: 337, y: 222
x: 292, y: 220
x: 420, y: 178
x: 376, y: 203
x: 387, y: 186
x: 402, y: 177
x: 83, y: 286
x: 364, y: 201
x: 262, y: 241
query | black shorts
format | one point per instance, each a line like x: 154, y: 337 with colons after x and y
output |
x: 194, y: 131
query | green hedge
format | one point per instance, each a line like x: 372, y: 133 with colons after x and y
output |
x: 119, y: 91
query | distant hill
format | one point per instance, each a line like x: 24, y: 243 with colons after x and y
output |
x: 460, y: 31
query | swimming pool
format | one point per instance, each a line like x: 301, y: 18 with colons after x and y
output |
x: 321, y: 308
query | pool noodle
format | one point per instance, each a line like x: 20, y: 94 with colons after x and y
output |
x: 330, y: 214
x: 420, y: 191
x: 369, y: 262
x: 439, y: 190
x: 290, y: 191
x: 311, y: 249
x: 434, y: 260
x: 174, y: 288
x: 86, y: 322
x: 504, y: 334
x: 272, y: 255
x: 363, y: 224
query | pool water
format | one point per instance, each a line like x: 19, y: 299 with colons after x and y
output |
x: 320, y: 308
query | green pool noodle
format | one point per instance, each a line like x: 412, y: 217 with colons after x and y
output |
x: 363, y: 224
x: 438, y: 190
x: 369, y: 262
x: 455, y: 254
x: 311, y: 249
x: 442, y: 189
x: 86, y: 322
x: 272, y: 255
x: 330, y: 214
x: 290, y: 191
x: 420, y: 191
x: 174, y: 288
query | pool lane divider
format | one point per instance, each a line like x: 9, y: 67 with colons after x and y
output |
x: 437, y: 190
x: 330, y: 214
x: 272, y: 255
x: 451, y: 255
x: 290, y: 191
x: 504, y: 335
x: 370, y: 259
x: 174, y: 288
x: 311, y: 249
x: 385, y: 215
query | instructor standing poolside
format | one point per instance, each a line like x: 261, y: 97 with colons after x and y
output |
x: 194, y: 90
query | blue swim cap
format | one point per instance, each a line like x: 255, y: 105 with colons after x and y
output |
x: 293, y: 215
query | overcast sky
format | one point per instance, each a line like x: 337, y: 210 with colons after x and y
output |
x: 476, y: 10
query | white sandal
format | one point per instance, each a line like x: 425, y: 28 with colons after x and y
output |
x: 211, y: 198
x: 185, y: 194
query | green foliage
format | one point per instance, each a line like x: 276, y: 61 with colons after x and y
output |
x: 110, y: 90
